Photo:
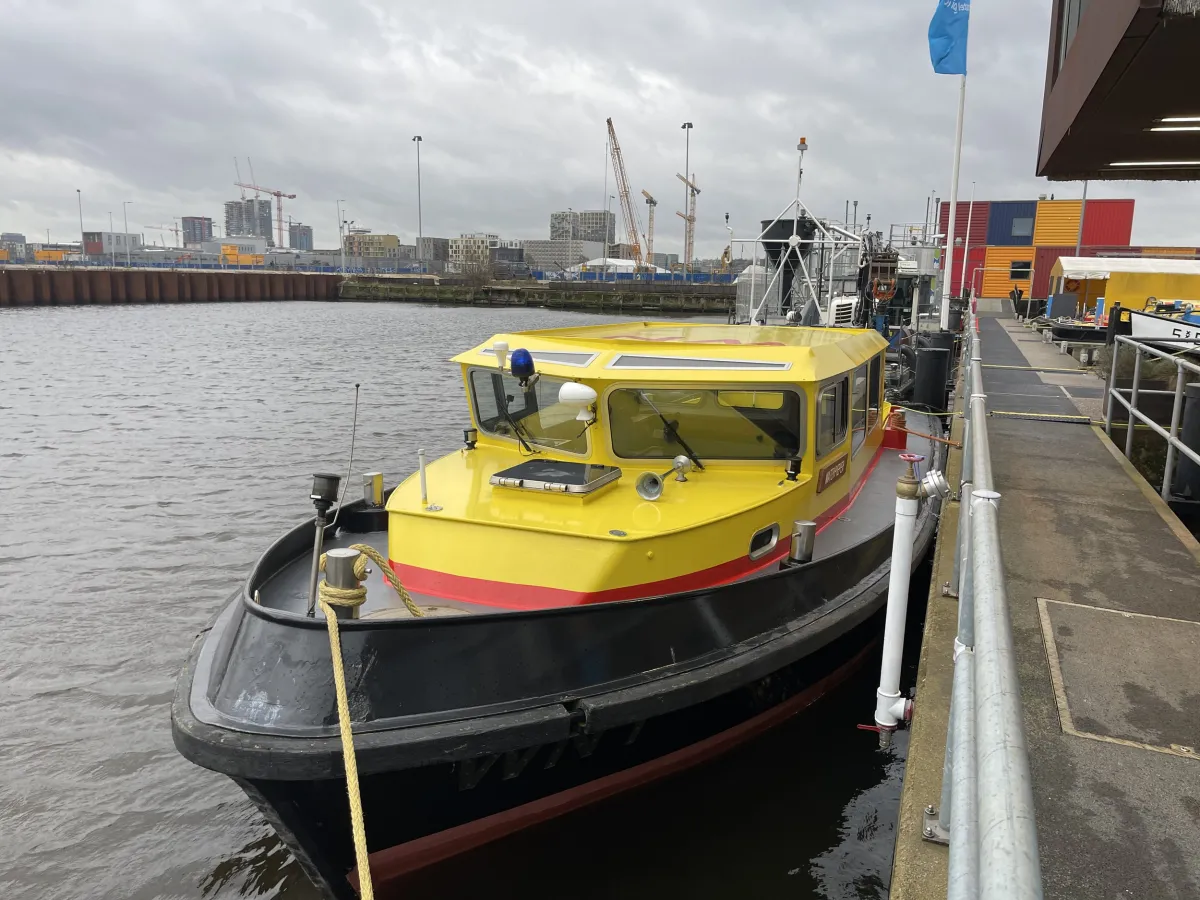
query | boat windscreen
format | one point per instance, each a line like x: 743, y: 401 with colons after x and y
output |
x: 716, y: 423
x: 532, y: 414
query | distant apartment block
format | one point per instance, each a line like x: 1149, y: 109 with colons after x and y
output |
x: 433, y: 249
x: 197, y: 229
x: 665, y: 260
x: 108, y: 243
x: 300, y: 237
x: 362, y: 244
x: 473, y: 249
x: 556, y: 255
x: 507, y: 252
x: 12, y: 247
x: 583, y: 225
x: 249, y: 218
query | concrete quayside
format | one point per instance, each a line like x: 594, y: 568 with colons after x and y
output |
x: 1102, y: 619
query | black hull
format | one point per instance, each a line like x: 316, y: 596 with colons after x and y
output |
x: 735, y: 656
x: 1079, y: 334
x: 413, y: 804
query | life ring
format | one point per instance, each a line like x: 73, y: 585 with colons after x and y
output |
x: 1072, y: 285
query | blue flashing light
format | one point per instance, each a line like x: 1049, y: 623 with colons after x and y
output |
x: 521, y: 364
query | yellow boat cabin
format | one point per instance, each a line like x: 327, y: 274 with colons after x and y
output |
x: 631, y: 460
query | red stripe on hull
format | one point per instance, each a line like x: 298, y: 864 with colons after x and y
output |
x: 505, y: 595
x: 395, y: 862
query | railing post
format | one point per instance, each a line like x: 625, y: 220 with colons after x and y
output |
x: 1176, y: 413
x: 1112, y: 386
x: 1133, y: 399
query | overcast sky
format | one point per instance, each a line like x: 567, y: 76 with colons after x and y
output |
x: 149, y: 101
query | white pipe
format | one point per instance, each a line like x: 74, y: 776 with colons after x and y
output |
x: 424, y: 486
x: 890, y: 707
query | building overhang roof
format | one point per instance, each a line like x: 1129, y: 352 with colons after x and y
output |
x: 1130, y: 69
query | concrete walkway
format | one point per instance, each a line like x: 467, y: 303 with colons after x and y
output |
x: 1104, y: 588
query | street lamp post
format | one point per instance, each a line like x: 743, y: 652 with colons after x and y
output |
x: 604, y: 259
x: 687, y: 146
x: 125, y: 213
x: 82, y: 243
x: 341, y: 237
x: 417, y: 141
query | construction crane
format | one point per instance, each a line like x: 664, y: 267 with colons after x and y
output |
x: 238, y: 170
x: 689, y: 232
x: 279, y: 197
x: 650, y: 202
x: 161, y: 228
x: 632, y: 223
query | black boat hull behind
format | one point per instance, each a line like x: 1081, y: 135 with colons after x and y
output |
x: 1079, y: 334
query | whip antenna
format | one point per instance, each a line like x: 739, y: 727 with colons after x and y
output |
x: 349, y: 465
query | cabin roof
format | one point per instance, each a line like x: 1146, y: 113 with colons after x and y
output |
x: 667, y: 351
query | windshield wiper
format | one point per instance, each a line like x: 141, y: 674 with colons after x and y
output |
x: 671, y: 432
x: 515, y: 427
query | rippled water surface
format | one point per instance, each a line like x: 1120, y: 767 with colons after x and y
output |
x: 147, y: 455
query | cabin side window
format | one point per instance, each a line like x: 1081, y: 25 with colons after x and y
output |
x: 859, y: 422
x: 875, y: 391
x: 832, y: 415
x: 737, y: 422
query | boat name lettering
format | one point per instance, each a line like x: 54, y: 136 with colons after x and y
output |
x: 832, y: 472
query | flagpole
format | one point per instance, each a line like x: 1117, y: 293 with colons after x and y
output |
x: 962, y: 281
x: 962, y: 102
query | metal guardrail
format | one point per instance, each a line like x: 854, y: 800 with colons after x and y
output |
x: 986, y: 812
x: 1174, y: 444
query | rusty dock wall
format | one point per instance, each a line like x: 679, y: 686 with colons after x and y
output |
x: 44, y: 286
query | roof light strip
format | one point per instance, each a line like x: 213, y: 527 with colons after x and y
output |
x: 694, y: 363
x: 1156, y: 163
x: 555, y: 357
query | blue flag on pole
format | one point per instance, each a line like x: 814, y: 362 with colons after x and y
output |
x: 948, y: 37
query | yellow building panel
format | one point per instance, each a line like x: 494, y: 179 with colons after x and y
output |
x: 1057, y: 223
x: 3, y: 256
x: 999, y: 269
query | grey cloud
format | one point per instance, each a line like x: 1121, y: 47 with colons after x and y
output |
x: 149, y: 102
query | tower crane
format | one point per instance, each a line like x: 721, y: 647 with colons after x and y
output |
x: 632, y: 224
x: 689, y: 232
x: 279, y: 197
x: 161, y: 228
x: 651, y: 203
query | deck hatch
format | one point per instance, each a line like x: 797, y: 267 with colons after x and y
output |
x: 556, y: 477
x: 640, y: 361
